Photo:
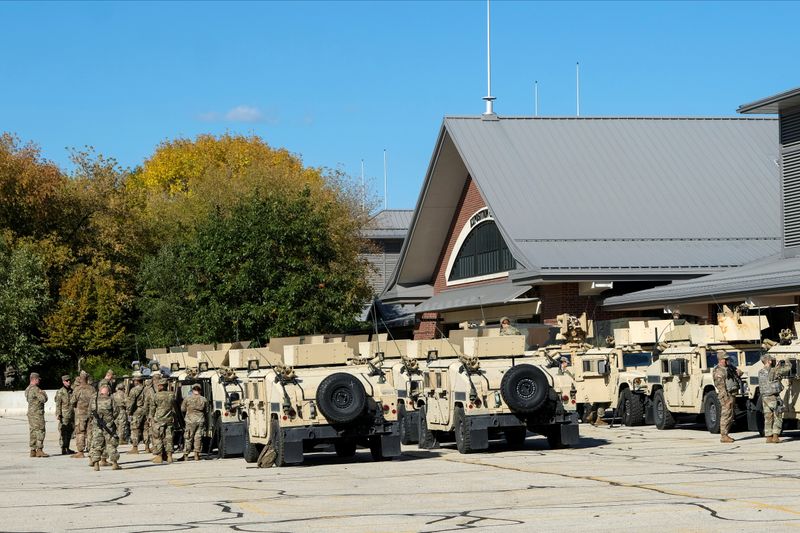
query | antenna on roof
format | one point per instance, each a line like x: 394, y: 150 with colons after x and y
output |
x: 488, y: 98
x: 385, y: 182
x: 536, y: 98
x: 577, y: 89
x: 363, y: 190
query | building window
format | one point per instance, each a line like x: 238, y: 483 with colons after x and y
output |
x: 484, y: 252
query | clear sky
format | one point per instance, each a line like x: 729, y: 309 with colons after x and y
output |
x: 336, y: 82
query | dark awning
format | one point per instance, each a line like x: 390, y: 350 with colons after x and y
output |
x: 483, y: 295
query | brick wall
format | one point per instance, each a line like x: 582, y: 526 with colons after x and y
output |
x: 426, y: 328
x: 561, y: 298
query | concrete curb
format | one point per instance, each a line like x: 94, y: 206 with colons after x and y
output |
x: 13, y: 403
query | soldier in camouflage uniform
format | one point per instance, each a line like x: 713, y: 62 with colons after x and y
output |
x: 136, y: 411
x: 163, y: 419
x: 121, y: 400
x: 194, y: 410
x: 770, y: 387
x: 36, y: 399
x: 104, y: 439
x: 10, y: 376
x: 149, y: 395
x: 109, y: 381
x: 82, y: 397
x: 506, y: 328
x: 65, y: 414
x: 726, y: 384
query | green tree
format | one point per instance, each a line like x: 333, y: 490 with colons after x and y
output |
x: 275, y: 265
x: 23, y: 299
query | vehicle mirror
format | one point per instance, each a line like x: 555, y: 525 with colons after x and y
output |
x: 603, y: 368
x: 174, y: 367
x: 155, y: 366
x: 137, y: 366
x: 252, y: 364
x: 203, y: 366
x: 677, y: 367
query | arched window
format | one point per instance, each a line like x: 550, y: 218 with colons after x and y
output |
x: 484, y: 252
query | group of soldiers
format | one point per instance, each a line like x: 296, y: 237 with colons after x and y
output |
x: 100, y: 420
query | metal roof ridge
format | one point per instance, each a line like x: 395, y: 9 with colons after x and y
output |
x: 612, y: 117
x: 744, y: 108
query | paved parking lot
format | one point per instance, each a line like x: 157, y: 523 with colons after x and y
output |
x: 619, y: 478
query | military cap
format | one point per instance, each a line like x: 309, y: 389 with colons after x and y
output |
x: 83, y: 373
x: 137, y: 375
x: 198, y: 388
x: 120, y: 386
x: 767, y: 357
x: 34, y: 375
x: 109, y: 371
x: 722, y: 354
x: 66, y: 377
x: 504, y: 319
x: 155, y: 374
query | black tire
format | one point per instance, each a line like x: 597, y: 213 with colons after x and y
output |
x: 515, y: 437
x: 276, y: 440
x: 345, y: 447
x: 404, y: 422
x: 251, y: 451
x: 712, y: 411
x: 427, y: 439
x: 376, y: 450
x: 219, y: 437
x: 631, y: 408
x: 463, y: 442
x: 524, y: 388
x: 341, y: 398
x: 758, y: 406
x: 664, y: 418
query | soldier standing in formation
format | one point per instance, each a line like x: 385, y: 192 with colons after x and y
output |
x: 36, y: 399
x: 506, y: 328
x: 65, y: 414
x: 104, y: 438
x: 10, y: 376
x: 770, y: 387
x: 109, y: 381
x: 162, y: 410
x: 136, y: 411
x: 194, y: 410
x: 727, y: 386
x: 121, y: 401
x: 82, y: 397
x: 149, y: 396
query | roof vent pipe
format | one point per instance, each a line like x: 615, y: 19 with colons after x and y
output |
x: 488, y: 98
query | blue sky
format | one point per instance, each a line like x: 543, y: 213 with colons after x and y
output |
x: 340, y: 81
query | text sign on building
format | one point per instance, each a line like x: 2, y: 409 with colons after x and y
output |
x: 481, y: 215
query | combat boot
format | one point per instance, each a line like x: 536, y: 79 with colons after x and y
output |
x: 115, y: 466
x: 600, y: 422
x: 183, y: 457
x: 776, y: 439
x: 157, y: 459
x: 726, y: 439
x: 68, y: 451
x: 196, y: 456
x: 78, y: 455
x: 96, y: 466
x: 169, y: 457
x: 103, y: 462
x: 148, y: 449
x: 40, y: 453
x: 134, y: 450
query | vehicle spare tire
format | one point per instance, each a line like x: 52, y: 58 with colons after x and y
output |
x: 524, y: 388
x: 341, y: 398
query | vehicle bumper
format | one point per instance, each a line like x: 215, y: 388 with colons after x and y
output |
x: 295, y: 437
x: 479, y: 426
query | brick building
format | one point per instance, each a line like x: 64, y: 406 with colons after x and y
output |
x: 533, y: 217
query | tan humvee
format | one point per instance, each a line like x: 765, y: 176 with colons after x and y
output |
x: 680, y: 382
x: 787, y: 352
x: 318, y: 394
x: 494, y: 388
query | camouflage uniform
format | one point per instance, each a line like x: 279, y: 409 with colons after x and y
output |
x: 36, y: 399
x: 65, y: 414
x: 137, y: 412
x: 508, y: 330
x: 163, y: 420
x: 81, y: 400
x: 769, y: 384
x: 121, y: 401
x: 725, y: 400
x: 10, y: 376
x: 194, y: 409
x: 104, y: 443
x: 149, y: 395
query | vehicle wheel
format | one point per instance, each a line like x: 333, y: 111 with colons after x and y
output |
x: 554, y: 438
x: 463, y: 442
x: 404, y: 421
x: 276, y: 441
x: 341, y: 398
x: 251, y: 451
x: 712, y: 411
x: 376, y: 450
x: 515, y: 437
x: 524, y: 388
x: 220, y: 438
x: 631, y: 408
x: 345, y: 447
x: 664, y: 419
x: 427, y: 439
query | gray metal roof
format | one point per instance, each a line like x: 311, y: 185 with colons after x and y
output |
x: 771, y: 275
x: 773, y: 104
x: 647, y: 197
x: 388, y: 224
x: 467, y: 297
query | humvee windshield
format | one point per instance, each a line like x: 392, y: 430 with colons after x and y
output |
x: 635, y: 359
x: 752, y: 357
x: 711, y: 359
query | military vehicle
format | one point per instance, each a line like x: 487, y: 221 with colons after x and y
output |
x: 494, y: 388
x: 680, y: 382
x: 787, y: 352
x: 313, y: 395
